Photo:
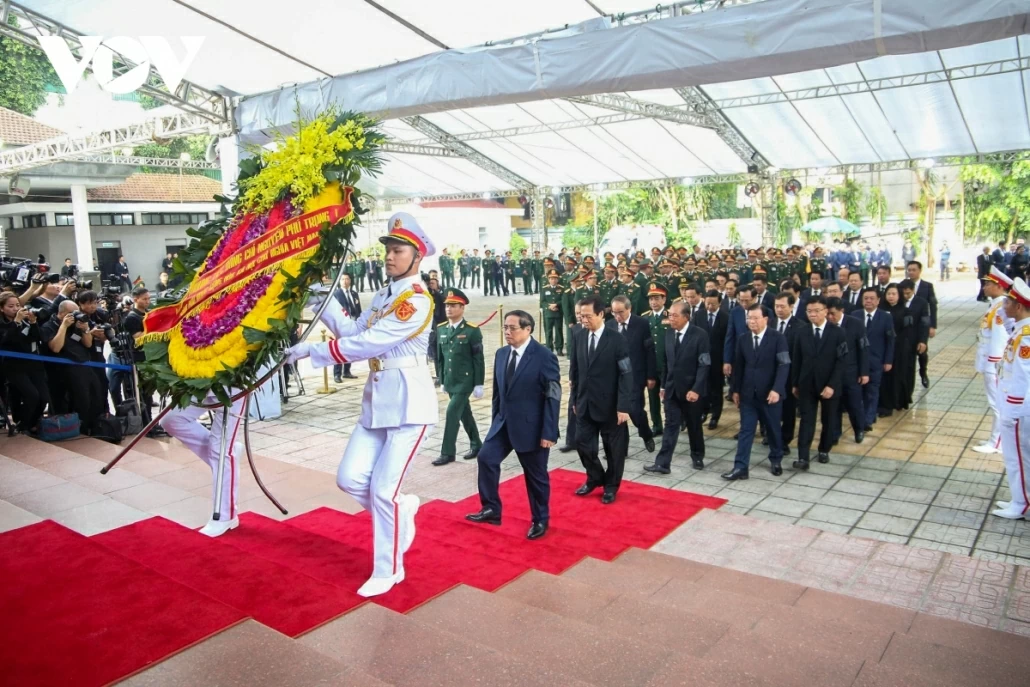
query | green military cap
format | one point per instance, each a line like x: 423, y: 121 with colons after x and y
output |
x: 553, y: 273
x: 455, y: 297
x: 608, y: 267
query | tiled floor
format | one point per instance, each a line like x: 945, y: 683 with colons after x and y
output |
x: 914, y: 480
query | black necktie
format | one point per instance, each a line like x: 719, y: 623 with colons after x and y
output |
x: 593, y: 344
x: 783, y: 326
x: 868, y: 320
x: 818, y: 332
x: 511, y: 368
x: 622, y: 328
x: 756, y: 342
x: 711, y: 320
x: 679, y: 340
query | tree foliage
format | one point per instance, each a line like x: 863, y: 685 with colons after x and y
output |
x: 25, y: 73
x: 997, y: 200
x: 195, y: 145
x: 876, y: 206
x: 850, y: 196
x: 574, y: 237
x: 516, y: 243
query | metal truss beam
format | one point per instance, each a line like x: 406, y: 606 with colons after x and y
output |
x: 701, y: 105
x: 621, y: 103
x: 187, y: 96
x: 172, y: 163
x: 895, y: 165
x: 460, y: 148
x: 872, y: 85
x: 418, y: 149
x: 70, y: 147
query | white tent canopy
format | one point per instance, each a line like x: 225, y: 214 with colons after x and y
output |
x: 674, y: 93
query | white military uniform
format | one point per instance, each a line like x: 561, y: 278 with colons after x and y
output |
x: 991, y: 339
x: 399, y: 406
x: 1014, y: 385
x: 184, y: 425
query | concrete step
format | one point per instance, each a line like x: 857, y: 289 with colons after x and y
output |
x: 253, y: 655
x: 979, y: 663
x: 570, y: 647
x: 401, y: 650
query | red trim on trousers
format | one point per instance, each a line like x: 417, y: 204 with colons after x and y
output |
x: 1022, y: 477
x: 396, y: 526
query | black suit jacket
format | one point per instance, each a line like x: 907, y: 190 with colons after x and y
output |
x: 848, y: 306
x: 716, y: 334
x: 641, y: 348
x: 527, y: 407
x: 856, y: 363
x: 602, y: 385
x: 983, y: 265
x: 350, y: 301
x: 756, y: 373
x: 767, y: 300
x: 814, y: 367
x: 925, y: 291
x: 686, y: 366
x: 919, y: 312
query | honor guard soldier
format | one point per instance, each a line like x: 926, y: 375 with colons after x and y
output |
x: 488, y: 273
x: 446, y: 269
x: 459, y: 357
x: 538, y: 271
x: 1013, y: 388
x: 475, y: 266
x: 399, y: 405
x: 658, y: 319
x: 551, y: 297
x: 463, y: 269
x: 990, y: 346
x: 526, y: 271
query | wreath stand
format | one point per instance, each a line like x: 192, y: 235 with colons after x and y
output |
x: 245, y: 395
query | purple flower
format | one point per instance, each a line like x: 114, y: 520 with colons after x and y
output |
x: 199, y: 335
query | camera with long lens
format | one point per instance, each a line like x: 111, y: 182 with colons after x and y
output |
x: 36, y: 312
x: 84, y: 284
x: 20, y: 272
x: 80, y: 317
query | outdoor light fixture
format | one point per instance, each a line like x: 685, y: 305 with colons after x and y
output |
x: 792, y: 187
x: 185, y: 157
x: 687, y: 181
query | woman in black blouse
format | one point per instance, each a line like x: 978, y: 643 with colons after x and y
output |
x: 26, y: 379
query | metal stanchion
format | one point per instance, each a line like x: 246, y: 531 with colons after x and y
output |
x: 500, y: 318
x: 540, y: 325
x: 326, y: 389
x: 221, y: 462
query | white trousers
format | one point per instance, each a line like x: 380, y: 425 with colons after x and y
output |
x: 1015, y: 451
x: 372, y: 469
x: 992, y: 389
x: 184, y: 425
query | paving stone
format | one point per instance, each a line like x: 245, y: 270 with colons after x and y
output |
x: 858, y: 486
x: 825, y: 526
x: 909, y: 494
x: 918, y: 481
x: 976, y: 476
x: 882, y: 536
x: 736, y: 497
x: 813, y: 479
x: 870, y: 475
x: 882, y: 464
x: 833, y: 514
x: 772, y: 517
x: 957, y: 518
x: 973, y: 489
x: 799, y: 492
x: 902, y: 509
x: 843, y: 499
x: 788, y: 507
x: 887, y: 523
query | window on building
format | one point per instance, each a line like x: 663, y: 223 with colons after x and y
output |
x: 64, y: 219
x: 33, y: 221
x: 108, y: 219
x: 6, y: 223
x: 191, y: 218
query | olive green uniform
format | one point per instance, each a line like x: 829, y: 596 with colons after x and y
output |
x: 459, y: 357
x: 659, y: 325
x: 554, y: 325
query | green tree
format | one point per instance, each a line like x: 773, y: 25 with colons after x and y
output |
x: 574, y: 237
x: 876, y: 206
x: 25, y: 73
x: 195, y: 145
x: 850, y: 196
x: 997, y: 200
x: 516, y: 243
x: 734, y: 237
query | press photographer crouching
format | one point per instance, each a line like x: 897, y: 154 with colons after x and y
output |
x: 68, y: 335
x: 27, y: 382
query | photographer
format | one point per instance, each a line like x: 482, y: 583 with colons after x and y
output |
x: 26, y: 378
x: 133, y: 324
x: 69, y: 271
x: 102, y: 333
x: 67, y: 334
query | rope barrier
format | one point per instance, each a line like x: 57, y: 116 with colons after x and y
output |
x: 62, y: 361
x: 492, y: 316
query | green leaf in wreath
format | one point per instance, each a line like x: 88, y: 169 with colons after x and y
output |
x: 253, y: 336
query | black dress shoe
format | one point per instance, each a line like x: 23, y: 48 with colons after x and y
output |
x: 443, y: 460
x: 869, y: 428
x: 765, y: 441
x: 776, y: 470
x: 608, y: 497
x: 487, y: 516
x: 657, y: 468
x: 538, y: 530
x: 566, y: 448
x: 801, y: 465
x: 713, y: 423
x: 473, y: 453
x: 925, y: 380
x: 859, y: 437
x: 338, y: 379
x: 698, y: 463
x: 884, y: 413
x: 350, y: 376
x: 649, y: 445
x: 824, y: 457
x: 704, y: 418
x: 735, y: 474
x: 586, y: 489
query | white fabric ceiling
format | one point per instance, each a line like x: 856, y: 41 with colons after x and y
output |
x: 259, y: 48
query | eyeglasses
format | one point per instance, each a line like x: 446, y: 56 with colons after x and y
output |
x: 511, y: 327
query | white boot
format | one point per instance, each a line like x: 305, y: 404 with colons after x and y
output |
x: 1003, y: 505
x: 986, y: 447
x: 375, y: 586
x: 1009, y: 513
x: 216, y: 528
x: 408, y: 506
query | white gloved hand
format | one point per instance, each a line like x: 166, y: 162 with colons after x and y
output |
x: 298, y: 352
x: 478, y: 391
x: 316, y: 298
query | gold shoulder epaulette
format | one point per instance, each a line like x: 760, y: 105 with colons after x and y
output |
x: 469, y: 324
x: 445, y: 322
x: 1026, y: 330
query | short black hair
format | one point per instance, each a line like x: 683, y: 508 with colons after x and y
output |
x: 834, y: 303
x: 139, y: 291
x: 821, y: 300
x: 86, y: 297
x: 788, y: 285
x: 789, y: 296
x: 525, y: 319
x: 750, y: 290
x: 594, y: 302
x: 712, y: 293
x: 760, y: 278
x: 916, y: 263
x: 692, y: 287
x: 884, y: 268
x: 907, y: 284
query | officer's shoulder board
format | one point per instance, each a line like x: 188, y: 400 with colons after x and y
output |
x: 469, y: 324
x: 417, y: 288
x: 1026, y: 330
x: 442, y: 324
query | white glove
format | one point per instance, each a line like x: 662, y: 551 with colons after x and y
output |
x: 298, y: 352
x: 316, y: 298
x: 478, y: 391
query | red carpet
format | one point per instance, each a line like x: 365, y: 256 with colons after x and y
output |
x: 78, y: 614
x: 285, y: 600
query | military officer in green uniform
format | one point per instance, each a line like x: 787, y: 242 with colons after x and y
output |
x: 446, y: 270
x: 463, y: 269
x: 526, y: 267
x: 568, y: 308
x: 475, y: 267
x: 459, y: 358
x: 359, y: 272
x: 817, y: 263
x: 608, y: 289
x: 658, y: 319
x: 488, y: 274
x: 631, y: 290
x: 551, y: 297
x: 538, y: 271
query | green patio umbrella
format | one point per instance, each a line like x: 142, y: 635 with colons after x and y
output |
x: 831, y: 225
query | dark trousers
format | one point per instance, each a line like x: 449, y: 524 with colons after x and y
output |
x: 654, y: 406
x: 851, y: 401
x: 713, y: 404
x: 488, y: 284
x: 871, y: 396
x: 475, y: 278
x: 924, y: 360
x: 554, y: 332
x: 534, y: 466
x: 680, y: 411
x: 339, y: 370
x: 570, y: 427
x: 30, y: 390
x: 808, y: 405
x: 789, y: 416
x: 614, y: 438
x: 463, y: 280
x: 751, y: 411
x: 980, y: 295
x: 639, y: 416
x: 509, y: 279
x: 84, y: 388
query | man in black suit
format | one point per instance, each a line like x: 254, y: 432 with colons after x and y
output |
x: 714, y: 320
x: 787, y: 325
x: 815, y: 288
x: 883, y: 280
x: 879, y: 334
x: 983, y: 268
x: 852, y: 299
x: 526, y: 398
x: 763, y: 296
x: 687, y: 360
x: 348, y: 299
x: 637, y: 332
x: 817, y: 369
x: 856, y: 370
x: 570, y: 413
x: 924, y: 290
x: 601, y: 374
x: 728, y: 298
x: 761, y: 364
